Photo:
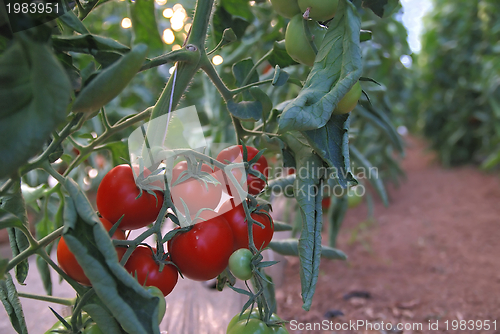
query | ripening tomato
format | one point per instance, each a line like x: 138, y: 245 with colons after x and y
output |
x: 196, y: 193
x: 319, y: 10
x: 67, y: 260
x: 142, y: 264
x: 237, y: 220
x: 349, y: 101
x: 234, y: 154
x: 296, y: 42
x: 203, y: 252
x: 117, y: 195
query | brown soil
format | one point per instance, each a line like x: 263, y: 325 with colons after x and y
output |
x: 432, y: 255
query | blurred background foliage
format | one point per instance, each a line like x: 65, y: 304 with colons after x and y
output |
x: 455, y: 97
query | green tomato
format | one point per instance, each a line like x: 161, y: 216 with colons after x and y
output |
x: 92, y: 329
x: 58, y: 326
x: 349, y: 101
x: 296, y: 43
x: 252, y: 326
x: 162, y: 306
x: 286, y: 8
x: 240, y: 264
x: 319, y: 10
x: 353, y: 198
x: 255, y: 315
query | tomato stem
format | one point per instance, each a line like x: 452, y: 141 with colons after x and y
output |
x: 49, y: 299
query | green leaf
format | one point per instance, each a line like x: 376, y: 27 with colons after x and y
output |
x: 279, y: 56
x: 259, y: 95
x: 365, y: 35
x: 245, y: 110
x: 239, y: 9
x: 44, y: 270
x: 144, y: 26
x: 30, y: 73
x: 375, y: 181
x: 119, y: 150
x: 128, y: 302
x: 110, y: 82
x: 290, y: 247
x: 280, y: 77
x: 69, y: 18
x: 11, y: 205
x: 307, y: 194
x: 241, y: 69
x: 222, y: 20
x: 281, y: 226
x: 336, y: 69
x: 3, y: 267
x: 13, y: 307
x: 331, y: 143
x: 87, y: 43
x: 382, y: 8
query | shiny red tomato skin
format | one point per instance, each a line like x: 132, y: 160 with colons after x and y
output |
x: 203, y: 252
x: 142, y: 263
x: 70, y: 266
x: 235, y: 154
x: 195, y: 193
x: 238, y: 222
x: 116, y: 196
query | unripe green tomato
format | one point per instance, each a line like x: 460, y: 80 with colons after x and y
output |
x: 252, y: 326
x: 296, y: 43
x: 353, y: 199
x: 255, y: 315
x: 162, y: 305
x: 240, y: 264
x: 92, y: 329
x: 286, y: 8
x: 349, y: 101
x: 319, y: 10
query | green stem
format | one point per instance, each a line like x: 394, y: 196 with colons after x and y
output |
x: 260, y: 61
x: 177, y: 55
x: 49, y: 299
x: 217, y: 81
x: 258, y: 83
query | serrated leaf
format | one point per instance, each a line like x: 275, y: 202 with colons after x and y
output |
x: 30, y: 72
x: 259, y: 95
x: 382, y: 8
x: 331, y: 143
x: 245, y: 110
x: 144, y: 26
x: 13, y: 307
x: 279, y: 56
x: 336, y: 69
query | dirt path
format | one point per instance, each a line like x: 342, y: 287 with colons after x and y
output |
x: 433, y: 255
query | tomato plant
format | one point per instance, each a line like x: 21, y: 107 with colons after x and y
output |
x: 238, y: 222
x: 118, y: 195
x: 240, y: 264
x: 162, y: 304
x: 297, y: 42
x: 143, y: 265
x: 234, y: 154
x: 90, y: 95
x: 67, y: 260
x: 195, y: 192
x: 203, y: 252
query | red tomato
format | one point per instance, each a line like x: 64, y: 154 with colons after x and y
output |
x: 196, y: 193
x: 238, y: 222
x: 117, y: 196
x: 142, y: 264
x: 234, y: 154
x: 203, y: 252
x: 67, y: 260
